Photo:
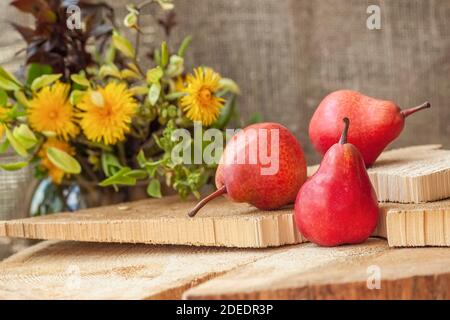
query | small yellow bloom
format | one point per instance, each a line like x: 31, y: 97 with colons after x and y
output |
x: 51, y: 111
x: 201, y: 103
x: 54, y: 172
x: 106, y: 113
x: 179, y: 84
x: 3, y: 112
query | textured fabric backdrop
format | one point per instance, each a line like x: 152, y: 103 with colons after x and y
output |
x: 288, y: 54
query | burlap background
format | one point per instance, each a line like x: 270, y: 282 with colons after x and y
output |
x: 288, y: 54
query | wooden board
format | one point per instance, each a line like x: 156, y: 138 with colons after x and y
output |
x: 415, y: 174
x: 409, y: 225
x: 164, y: 221
x: 350, y: 272
x: 221, y: 223
x: 81, y: 270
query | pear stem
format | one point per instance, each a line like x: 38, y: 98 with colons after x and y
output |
x: 408, y: 112
x: 345, y: 131
x: 207, y: 199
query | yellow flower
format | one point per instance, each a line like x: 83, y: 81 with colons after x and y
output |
x: 51, y: 111
x: 179, y: 84
x: 106, y: 113
x: 54, y: 172
x: 3, y: 112
x: 200, y: 103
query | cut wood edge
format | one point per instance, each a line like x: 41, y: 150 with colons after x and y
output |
x: 418, y: 225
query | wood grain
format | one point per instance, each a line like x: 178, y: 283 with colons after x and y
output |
x: 164, y: 221
x: 77, y: 270
x: 309, y: 272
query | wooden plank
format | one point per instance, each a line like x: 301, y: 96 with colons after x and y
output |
x: 415, y: 174
x: 221, y: 223
x: 417, y: 224
x: 349, y: 272
x: 80, y: 270
x: 164, y: 221
x: 412, y: 175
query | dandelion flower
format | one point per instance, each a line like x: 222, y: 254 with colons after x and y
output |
x: 200, y: 102
x: 106, y: 113
x: 51, y: 111
x: 54, y: 172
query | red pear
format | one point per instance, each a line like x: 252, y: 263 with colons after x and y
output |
x: 375, y: 123
x: 338, y: 204
x: 262, y: 165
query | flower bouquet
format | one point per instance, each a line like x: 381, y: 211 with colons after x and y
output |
x: 86, y: 113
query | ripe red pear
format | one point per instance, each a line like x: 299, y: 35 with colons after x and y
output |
x: 265, y: 184
x: 375, y: 123
x: 338, y: 204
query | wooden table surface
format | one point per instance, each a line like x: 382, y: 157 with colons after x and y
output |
x: 81, y: 270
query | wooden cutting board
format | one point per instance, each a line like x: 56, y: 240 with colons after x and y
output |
x: 80, y: 270
x: 367, y: 271
x: 221, y: 223
x: 164, y: 221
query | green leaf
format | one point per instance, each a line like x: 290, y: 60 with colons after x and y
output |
x: 119, y: 178
x: 25, y: 136
x: 8, y: 82
x: 5, y: 74
x: 137, y: 174
x: 81, y: 80
x: 110, y: 164
x: 76, y: 96
x: 164, y: 54
x: 184, y: 45
x: 110, y: 70
x: 229, y: 85
x: 8, y: 85
x: 21, y: 98
x: 226, y: 113
x: 63, y: 161
x: 3, y: 98
x: 17, y: 146
x: 157, y: 56
x: 35, y: 70
x: 44, y: 81
x: 154, y: 75
x: 123, y: 45
x: 166, y: 4
x: 4, y: 146
x: 174, y: 95
x: 154, y: 188
x: 141, y: 158
x: 130, y: 20
x: 14, y: 166
x: 153, y: 93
